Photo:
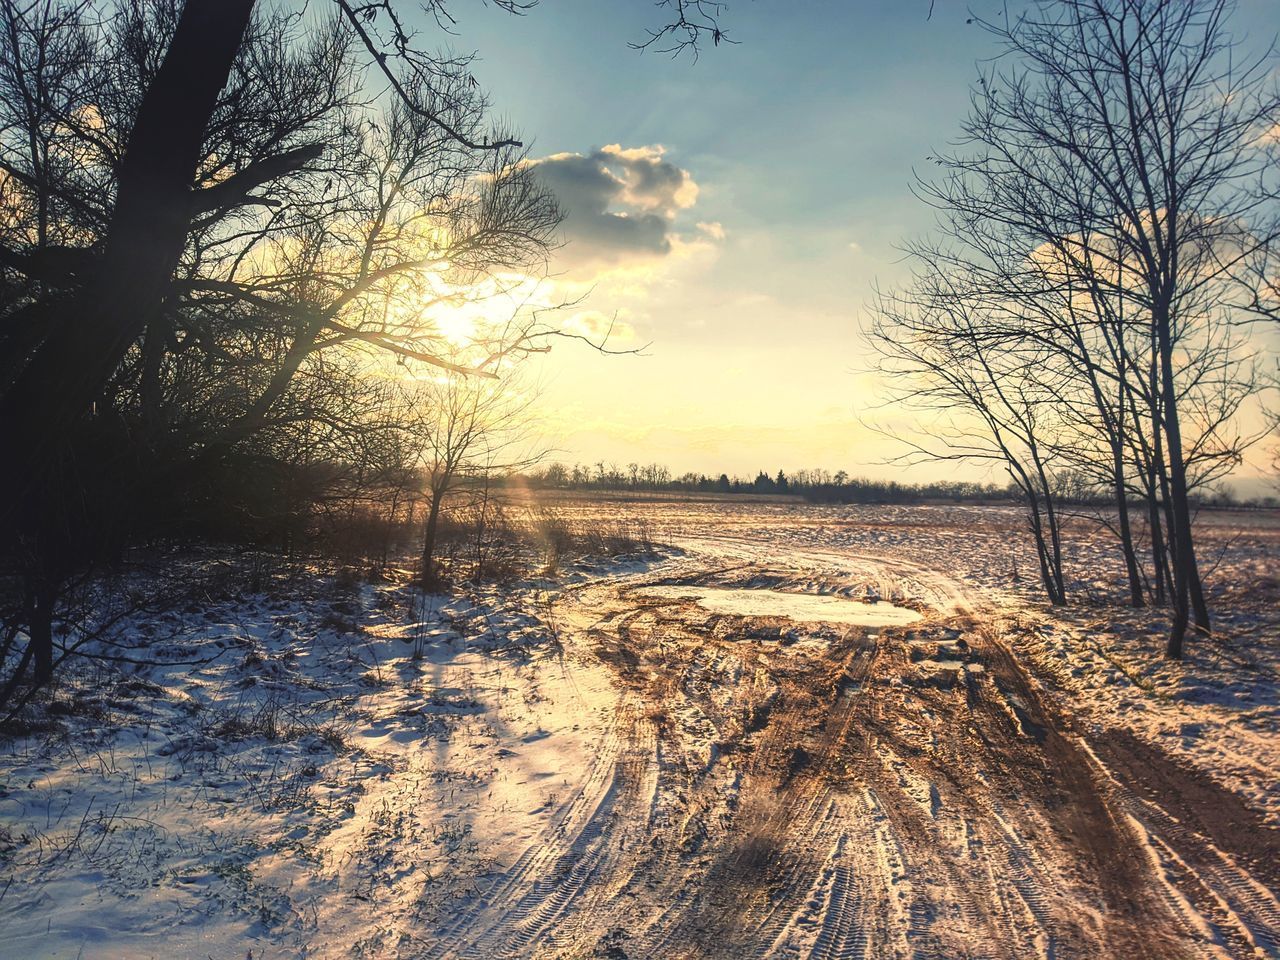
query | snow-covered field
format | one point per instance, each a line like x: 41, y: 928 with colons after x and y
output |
x: 1218, y: 710
x: 345, y: 761
x: 587, y: 767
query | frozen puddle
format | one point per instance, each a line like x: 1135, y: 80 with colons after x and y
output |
x: 801, y: 607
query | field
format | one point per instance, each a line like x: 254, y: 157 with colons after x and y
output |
x: 645, y: 756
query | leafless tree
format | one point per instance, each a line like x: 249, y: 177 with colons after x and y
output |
x: 160, y: 180
x: 206, y: 217
x: 1109, y: 194
x: 469, y: 430
x: 939, y: 345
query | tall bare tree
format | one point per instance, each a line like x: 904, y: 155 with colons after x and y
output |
x: 941, y: 344
x: 1108, y: 194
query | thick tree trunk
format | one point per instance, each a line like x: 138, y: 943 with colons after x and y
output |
x: 43, y: 407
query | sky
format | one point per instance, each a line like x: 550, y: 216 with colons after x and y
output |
x: 733, y: 215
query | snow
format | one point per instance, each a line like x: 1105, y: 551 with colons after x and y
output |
x: 1217, y: 711
x: 800, y: 607
x: 351, y: 764
x: 350, y: 768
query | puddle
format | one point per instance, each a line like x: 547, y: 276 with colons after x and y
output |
x: 946, y: 665
x: 801, y: 607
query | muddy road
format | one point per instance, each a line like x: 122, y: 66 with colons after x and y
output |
x: 775, y: 788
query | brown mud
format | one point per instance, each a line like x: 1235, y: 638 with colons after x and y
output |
x: 802, y: 790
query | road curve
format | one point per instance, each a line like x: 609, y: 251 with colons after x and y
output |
x: 780, y: 790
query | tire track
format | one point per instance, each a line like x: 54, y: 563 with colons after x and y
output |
x: 1236, y: 907
x: 545, y: 877
x: 865, y: 794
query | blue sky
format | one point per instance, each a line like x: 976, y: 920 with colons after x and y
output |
x: 801, y: 139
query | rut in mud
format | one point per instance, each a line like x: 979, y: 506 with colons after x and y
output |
x: 775, y: 789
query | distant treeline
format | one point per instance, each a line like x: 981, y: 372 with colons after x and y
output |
x: 818, y: 486
x: 823, y: 486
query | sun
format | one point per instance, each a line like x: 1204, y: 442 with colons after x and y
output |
x: 464, y: 315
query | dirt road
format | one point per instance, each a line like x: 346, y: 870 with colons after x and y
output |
x: 774, y: 789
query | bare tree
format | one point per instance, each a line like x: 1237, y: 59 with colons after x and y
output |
x: 1150, y: 102
x: 204, y: 208
x: 1107, y: 197
x: 468, y: 429
x: 939, y: 344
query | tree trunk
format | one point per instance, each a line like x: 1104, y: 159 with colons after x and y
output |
x: 1166, y: 501
x: 1159, y: 557
x: 144, y: 241
x: 1157, y: 484
x: 1126, y: 532
x: 1184, y: 558
x: 1049, y: 577
x: 1058, y: 592
x: 1055, y: 540
x: 428, y: 575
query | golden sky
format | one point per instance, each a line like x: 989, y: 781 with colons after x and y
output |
x: 734, y: 214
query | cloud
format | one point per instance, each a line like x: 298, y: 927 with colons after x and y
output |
x: 620, y: 205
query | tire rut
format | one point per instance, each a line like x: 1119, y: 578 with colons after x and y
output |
x: 859, y: 794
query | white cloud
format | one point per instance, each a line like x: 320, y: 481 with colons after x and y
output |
x: 621, y: 206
